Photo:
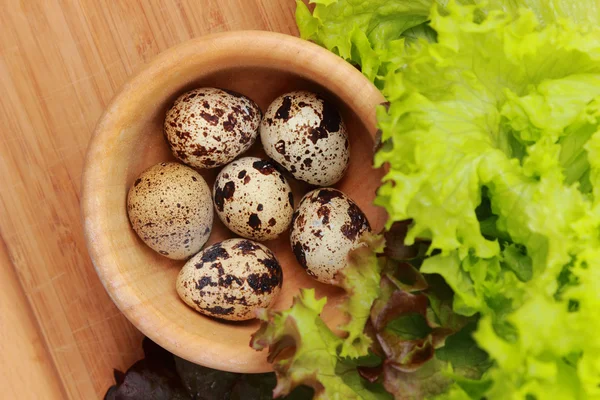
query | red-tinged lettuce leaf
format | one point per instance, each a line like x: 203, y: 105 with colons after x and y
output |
x: 455, y: 372
x: 396, y: 249
x: 394, y: 303
x: 429, y: 380
x: 360, y: 278
x: 427, y: 301
x: 406, y: 355
x: 371, y: 374
x: 403, y: 332
x: 440, y: 313
x: 404, y: 276
x: 409, y: 327
x: 410, y: 323
x: 305, y: 351
x: 393, y: 316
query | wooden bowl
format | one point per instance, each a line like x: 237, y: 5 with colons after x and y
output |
x: 128, y: 139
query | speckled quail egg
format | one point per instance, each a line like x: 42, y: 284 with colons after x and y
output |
x: 230, y: 279
x: 325, y: 227
x: 253, y: 199
x: 306, y: 135
x: 170, y: 208
x: 208, y: 127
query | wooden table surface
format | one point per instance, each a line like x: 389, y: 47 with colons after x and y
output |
x: 61, y: 61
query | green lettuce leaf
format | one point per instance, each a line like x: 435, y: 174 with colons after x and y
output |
x: 430, y: 380
x: 492, y: 142
x: 305, y: 351
x: 518, y: 262
x: 362, y: 32
x: 551, y: 11
x: 504, y: 110
x: 373, y: 33
x: 461, y: 351
x: 360, y: 279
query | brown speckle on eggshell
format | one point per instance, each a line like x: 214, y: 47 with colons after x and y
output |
x: 305, y: 134
x: 231, y: 280
x: 325, y: 227
x: 253, y: 199
x: 209, y: 127
x: 170, y: 208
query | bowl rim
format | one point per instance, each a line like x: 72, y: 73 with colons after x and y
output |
x: 268, y: 45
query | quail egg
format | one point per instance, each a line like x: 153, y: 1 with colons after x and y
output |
x: 306, y: 135
x: 170, y: 208
x: 208, y: 127
x: 325, y: 227
x: 253, y: 199
x: 230, y: 279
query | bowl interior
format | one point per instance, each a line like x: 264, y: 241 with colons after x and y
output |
x: 129, y: 139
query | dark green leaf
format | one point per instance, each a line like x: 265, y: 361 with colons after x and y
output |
x: 411, y: 326
x: 205, y: 383
x: 362, y: 387
x: 475, y: 388
x: 420, y: 32
x: 152, y: 378
x: 440, y: 312
x: 517, y: 260
x: 429, y: 380
x: 260, y: 387
x: 462, y: 352
x: 163, y: 376
x: 370, y: 360
x: 405, y: 276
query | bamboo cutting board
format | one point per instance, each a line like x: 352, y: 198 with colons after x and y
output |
x: 61, y: 61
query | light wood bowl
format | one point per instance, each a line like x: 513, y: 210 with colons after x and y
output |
x: 128, y: 139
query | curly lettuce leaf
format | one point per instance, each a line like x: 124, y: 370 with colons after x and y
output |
x: 398, y: 318
x: 461, y: 351
x: 430, y: 380
x: 372, y: 34
x: 360, y: 279
x: 412, y: 323
x: 305, y: 351
x: 362, y: 31
x: 492, y: 142
x: 551, y: 11
x: 457, y: 371
x: 505, y: 111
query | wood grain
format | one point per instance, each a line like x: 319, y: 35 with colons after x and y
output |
x: 61, y: 61
x: 25, y: 364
